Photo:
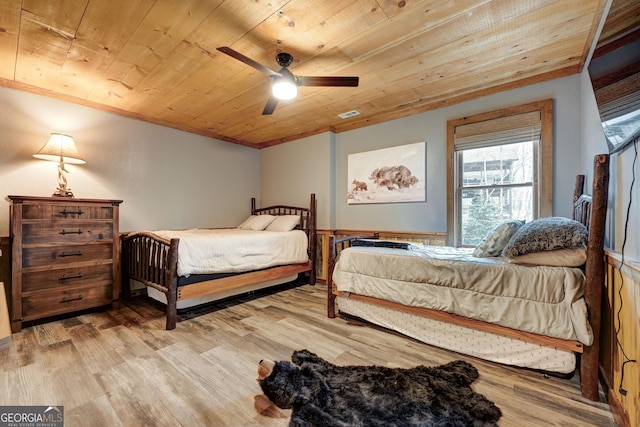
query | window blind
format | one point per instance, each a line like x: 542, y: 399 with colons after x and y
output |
x: 504, y: 130
x: 621, y: 106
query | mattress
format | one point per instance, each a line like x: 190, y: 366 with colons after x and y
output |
x: 232, y: 250
x: 537, y: 299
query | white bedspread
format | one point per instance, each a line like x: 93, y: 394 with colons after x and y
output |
x: 231, y: 250
x: 543, y: 300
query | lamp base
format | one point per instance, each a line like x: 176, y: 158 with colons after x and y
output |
x: 63, y: 193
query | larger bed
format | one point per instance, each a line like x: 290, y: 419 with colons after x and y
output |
x: 276, y: 244
x: 527, y: 315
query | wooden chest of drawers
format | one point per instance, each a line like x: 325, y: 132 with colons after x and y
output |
x: 65, y: 256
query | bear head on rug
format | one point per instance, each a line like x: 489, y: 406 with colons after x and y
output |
x: 323, y: 394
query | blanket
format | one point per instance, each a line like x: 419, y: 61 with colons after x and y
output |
x: 231, y: 250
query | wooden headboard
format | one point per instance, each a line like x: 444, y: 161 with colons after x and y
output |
x: 307, y: 223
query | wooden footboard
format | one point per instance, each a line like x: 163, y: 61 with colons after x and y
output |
x: 335, y: 247
x: 152, y: 261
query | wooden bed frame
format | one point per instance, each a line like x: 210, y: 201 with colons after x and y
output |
x: 591, y: 211
x: 152, y: 261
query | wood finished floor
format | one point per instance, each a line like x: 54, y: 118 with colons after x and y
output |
x: 121, y: 368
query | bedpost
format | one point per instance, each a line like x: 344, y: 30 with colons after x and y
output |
x: 172, y: 284
x: 125, y: 251
x: 579, y: 189
x: 253, y: 206
x: 331, y: 261
x: 594, y: 272
x: 312, y: 238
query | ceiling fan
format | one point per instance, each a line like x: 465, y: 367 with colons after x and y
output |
x: 285, y: 83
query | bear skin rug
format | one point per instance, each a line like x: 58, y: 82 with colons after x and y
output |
x: 322, y: 394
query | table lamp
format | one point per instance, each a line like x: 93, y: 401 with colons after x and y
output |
x: 60, y: 148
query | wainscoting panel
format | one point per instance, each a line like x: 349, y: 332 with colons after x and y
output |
x: 620, y: 343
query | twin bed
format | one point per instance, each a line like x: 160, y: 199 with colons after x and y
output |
x: 536, y: 309
x: 183, y: 268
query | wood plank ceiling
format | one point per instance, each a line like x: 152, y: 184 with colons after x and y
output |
x: 156, y: 60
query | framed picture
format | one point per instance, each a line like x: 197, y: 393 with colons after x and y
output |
x: 389, y: 175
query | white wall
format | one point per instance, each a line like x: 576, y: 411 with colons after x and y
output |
x: 430, y: 127
x: 593, y: 139
x: 291, y: 172
x: 167, y: 178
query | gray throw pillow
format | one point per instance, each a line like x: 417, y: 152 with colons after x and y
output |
x: 546, y: 234
x: 494, y: 243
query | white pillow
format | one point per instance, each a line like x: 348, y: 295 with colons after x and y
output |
x: 284, y: 223
x: 257, y: 222
x: 568, y: 257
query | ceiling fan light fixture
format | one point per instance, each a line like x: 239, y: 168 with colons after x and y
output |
x: 284, y: 89
x: 285, y: 84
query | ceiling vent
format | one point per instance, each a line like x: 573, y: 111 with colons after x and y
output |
x: 349, y: 114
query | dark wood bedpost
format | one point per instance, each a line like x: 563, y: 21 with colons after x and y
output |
x: 313, y: 238
x: 172, y: 284
x: 589, y: 366
x: 253, y: 206
x: 579, y: 189
x: 331, y: 261
x: 125, y: 283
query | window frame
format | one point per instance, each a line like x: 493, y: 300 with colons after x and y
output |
x: 544, y: 153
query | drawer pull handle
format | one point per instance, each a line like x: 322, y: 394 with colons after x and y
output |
x: 75, y: 276
x: 65, y: 232
x: 65, y: 254
x: 65, y: 299
x: 65, y: 212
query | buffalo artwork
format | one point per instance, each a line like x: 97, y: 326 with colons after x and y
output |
x: 389, y: 175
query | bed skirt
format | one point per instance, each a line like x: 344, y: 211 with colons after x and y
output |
x: 495, y: 348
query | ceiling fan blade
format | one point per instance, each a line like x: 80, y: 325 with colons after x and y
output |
x: 271, y: 105
x: 250, y: 62
x: 327, y: 81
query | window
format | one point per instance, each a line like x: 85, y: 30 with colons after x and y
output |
x: 499, y: 167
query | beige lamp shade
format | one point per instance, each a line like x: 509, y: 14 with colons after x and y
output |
x: 60, y: 147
